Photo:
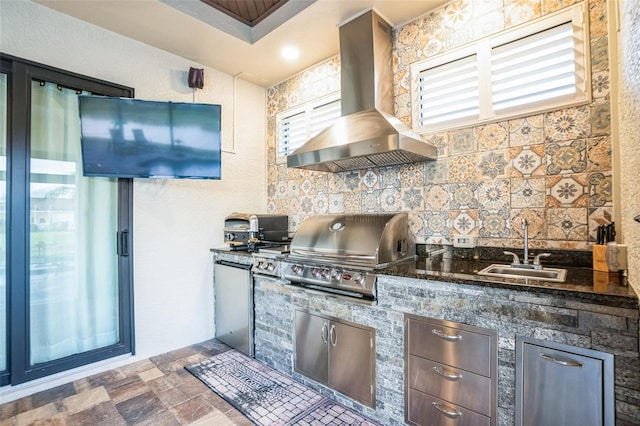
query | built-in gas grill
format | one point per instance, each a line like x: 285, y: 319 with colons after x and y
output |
x: 339, y: 254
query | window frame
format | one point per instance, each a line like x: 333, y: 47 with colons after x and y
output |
x: 307, y: 110
x: 482, y: 48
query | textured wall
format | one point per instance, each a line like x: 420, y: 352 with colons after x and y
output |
x: 629, y: 108
x: 176, y: 222
x: 552, y: 169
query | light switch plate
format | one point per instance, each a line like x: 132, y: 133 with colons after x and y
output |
x: 464, y: 241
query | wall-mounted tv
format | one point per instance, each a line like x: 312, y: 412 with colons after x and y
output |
x: 132, y: 138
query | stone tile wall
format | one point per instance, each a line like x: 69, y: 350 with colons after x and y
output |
x: 553, y: 169
x: 511, y: 313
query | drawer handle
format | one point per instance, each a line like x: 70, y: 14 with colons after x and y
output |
x: 324, y: 333
x: 449, y: 337
x: 561, y: 362
x: 447, y: 375
x: 453, y: 414
x: 333, y: 335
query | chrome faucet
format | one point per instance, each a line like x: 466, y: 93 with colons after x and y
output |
x: 525, y: 258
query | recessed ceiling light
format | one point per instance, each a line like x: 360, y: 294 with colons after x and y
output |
x: 290, y: 53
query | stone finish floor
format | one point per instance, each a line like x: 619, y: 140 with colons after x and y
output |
x: 157, y: 391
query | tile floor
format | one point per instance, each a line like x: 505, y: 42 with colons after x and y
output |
x: 157, y: 391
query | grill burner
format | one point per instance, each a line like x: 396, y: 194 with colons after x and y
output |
x: 340, y: 254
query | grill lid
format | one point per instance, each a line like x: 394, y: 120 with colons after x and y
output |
x: 370, y: 241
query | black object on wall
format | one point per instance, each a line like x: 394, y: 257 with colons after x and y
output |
x: 196, y: 78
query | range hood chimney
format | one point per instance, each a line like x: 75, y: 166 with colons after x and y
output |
x: 367, y: 134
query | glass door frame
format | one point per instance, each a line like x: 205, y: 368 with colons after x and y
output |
x: 20, y: 75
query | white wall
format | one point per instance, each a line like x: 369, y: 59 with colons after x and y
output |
x: 176, y: 222
x: 629, y: 122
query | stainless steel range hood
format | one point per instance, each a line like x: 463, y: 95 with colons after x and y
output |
x: 367, y: 134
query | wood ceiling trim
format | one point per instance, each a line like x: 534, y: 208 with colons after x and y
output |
x: 249, y: 12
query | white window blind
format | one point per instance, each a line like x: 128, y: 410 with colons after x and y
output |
x: 449, y: 92
x: 533, y: 68
x: 295, y: 127
x: 292, y: 132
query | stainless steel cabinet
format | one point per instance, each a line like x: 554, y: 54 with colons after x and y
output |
x: 558, y: 384
x: 337, y: 353
x: 450, y: 373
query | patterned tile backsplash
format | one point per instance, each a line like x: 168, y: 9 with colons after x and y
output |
x: 552, y: 169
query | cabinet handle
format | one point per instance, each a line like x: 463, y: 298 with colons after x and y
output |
x: 453, y: 414
x: 324, y: 334
x: 333, y: 335
x: 447, y: 375
x: 561, y: 362
x: 449, y: 337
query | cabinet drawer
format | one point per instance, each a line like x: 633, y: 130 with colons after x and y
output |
x: 460, y: 387
x: 451, y: 346
x: 427, y: 410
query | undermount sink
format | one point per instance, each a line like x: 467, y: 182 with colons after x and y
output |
x: 508, y: 271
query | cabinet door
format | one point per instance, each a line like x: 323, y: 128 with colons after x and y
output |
x: 233, y: 314
x: 351, y: 361
x: 312, y: 350
x: 560, y: 388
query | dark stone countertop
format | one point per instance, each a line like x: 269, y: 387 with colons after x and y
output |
x: 462, y: 266
x: 581, y: 282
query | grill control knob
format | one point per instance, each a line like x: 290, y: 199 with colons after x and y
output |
x: 270, y: 267
x: 230, y: 236
x: 335, y: 274
x: 358, y: 278
x: 315, y: 272
x: 325, y: 273
x: 296, y: 269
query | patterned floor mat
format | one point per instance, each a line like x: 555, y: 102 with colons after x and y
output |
x: 268, y: 397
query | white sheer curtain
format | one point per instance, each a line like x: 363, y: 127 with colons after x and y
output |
x: 3, y: 216
x: 74, y: 282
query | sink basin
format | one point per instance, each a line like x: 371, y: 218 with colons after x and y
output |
x: 508, y: 271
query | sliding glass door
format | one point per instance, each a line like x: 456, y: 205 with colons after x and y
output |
x: 69, y: 272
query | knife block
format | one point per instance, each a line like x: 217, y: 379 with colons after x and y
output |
x: 600, y: 258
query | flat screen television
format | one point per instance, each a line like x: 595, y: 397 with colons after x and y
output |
x: 132, y: 138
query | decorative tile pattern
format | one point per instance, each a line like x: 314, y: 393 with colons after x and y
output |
x: 464, y: 222
x: 566, y: 157
x: 493, y: 136
x: 536, y: 224
x: 412, y: 199
x: 464, y: 195
x: 463, y: 168
x: 599, y: 154
x: 557, y: 161
x: 600, y: 118
x: 567, y: 124
x: 462, y: 142
x: 494, y: 194
x: 493, y: 164
x: 436, y: 197
x: 527, y: 161
x: 600, y: 189
x: 567, y: 224
x: 567, y: 191
x: 526, y: 131
x: 528, y: 192
x: 494, y: 223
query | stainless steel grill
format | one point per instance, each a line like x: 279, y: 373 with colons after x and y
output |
x: 339, y: 254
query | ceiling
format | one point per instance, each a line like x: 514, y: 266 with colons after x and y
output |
x: 201, y: 32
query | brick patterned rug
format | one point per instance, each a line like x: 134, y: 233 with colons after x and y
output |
x: 268, y: 397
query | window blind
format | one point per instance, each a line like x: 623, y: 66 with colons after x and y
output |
x: 449, y: 92
x: 534, y: 69
x: 291, y: 133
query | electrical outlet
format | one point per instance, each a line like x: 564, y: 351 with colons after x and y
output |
x: 464, y: 241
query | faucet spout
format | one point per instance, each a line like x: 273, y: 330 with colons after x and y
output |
x: 525, y: 226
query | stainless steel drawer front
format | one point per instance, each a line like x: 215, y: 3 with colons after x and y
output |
x: 457, y: 386
x: 463, y: 349
x: 428, y: 410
